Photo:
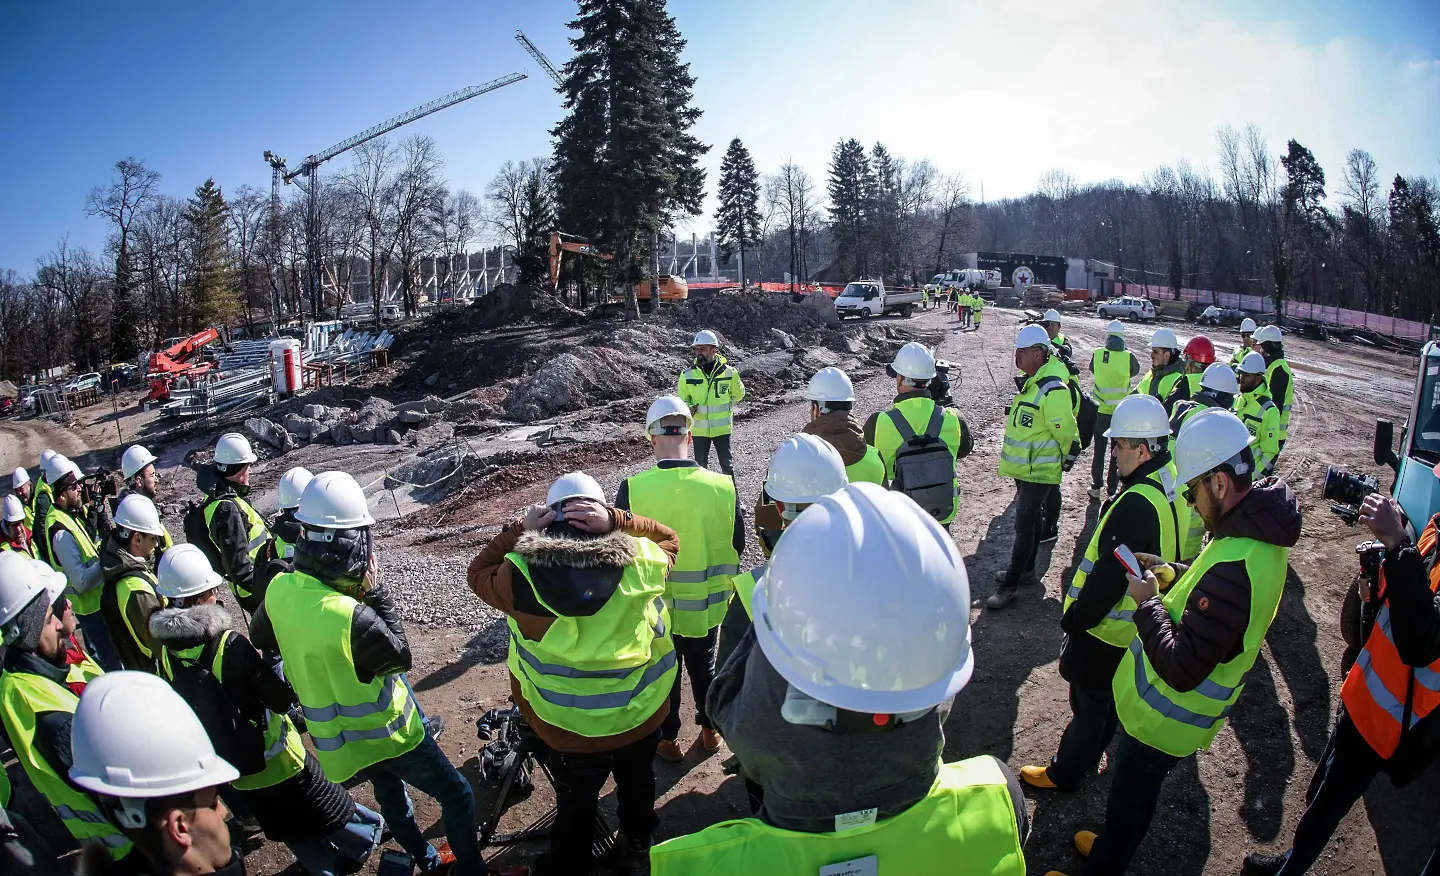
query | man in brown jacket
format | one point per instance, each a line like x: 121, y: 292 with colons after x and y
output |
x: 575, y: 578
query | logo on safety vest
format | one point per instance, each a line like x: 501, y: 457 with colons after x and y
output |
x: 1027, y: 419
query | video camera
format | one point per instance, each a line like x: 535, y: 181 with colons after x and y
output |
x: 939, y: 385
x: 1346, y: 492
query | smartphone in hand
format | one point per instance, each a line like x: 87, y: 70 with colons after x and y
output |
x: 1128, y: 559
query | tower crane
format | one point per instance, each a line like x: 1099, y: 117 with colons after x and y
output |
x: 540, y: 58
x: 308, y: 169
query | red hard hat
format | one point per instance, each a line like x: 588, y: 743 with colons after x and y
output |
x: 1200, y: 350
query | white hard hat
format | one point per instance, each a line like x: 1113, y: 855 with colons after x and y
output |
x: 1032, y: 336
x: 72, y: 468
x: 1116, y: 327
x: 332, y: 500
x: 1051, y: 315
x: 1207, y: 440
x: 1164, y: 339
x: 1268, y: 334
x: 137, y: 514
x: 1139, y: 416
x: 113, y: 742
x: 830, y: 384
x: 21, y: 580
x: 865, y: 605
x: 575, y: 485
x: 14, y: 511
x: 184, y: 571
x: 232, y: 449
x: 1253, y: 363
x: 668, y: 406
x: 47, y: 454
x: 135, y: 459
x: 54, y: 467
x: 1247, y: 325
x: 292, y: 486
x: 1221, y: 378
x: 19, y: 478
x: 803, y: 469
x: 915, y: 362
x: 705, y: 337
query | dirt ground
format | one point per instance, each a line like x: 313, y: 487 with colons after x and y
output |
x: 1244, y: 793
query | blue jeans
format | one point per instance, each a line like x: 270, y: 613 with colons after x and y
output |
x: 428, y: 769
x: 353, y: 843
x: 97, y: 641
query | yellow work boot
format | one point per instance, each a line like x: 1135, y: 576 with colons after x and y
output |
x: 669, y: 751
x: 710, y: 740
x: 1036, y: 777
x: 1084, y: 841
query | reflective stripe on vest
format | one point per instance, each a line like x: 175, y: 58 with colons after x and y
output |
x: 710, y: 398
x: 967, y: 824
x: 1181, y: 723
x: 1286, y: 403
x: 1162, y: 389
x: 88, y: 602
x: 604, y: 673
x: 1118, y: 626
x: 1112, y: 378
x: 354, y: 725
x: 1382, y: 687
x: 1029, y: 451
x: 700, y: 506
x: 24, y: 696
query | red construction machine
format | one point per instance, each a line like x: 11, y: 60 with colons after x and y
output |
x: 180, y: 359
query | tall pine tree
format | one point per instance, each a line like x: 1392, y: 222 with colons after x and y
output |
x: 213, y: 294
x: 851, y: 189
x: 737, y: 222
x: 625, y: 161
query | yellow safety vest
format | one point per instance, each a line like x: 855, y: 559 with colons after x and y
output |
x: 257, y: 533
x: 1262, y: 417
x: 699, y: 505
x: 1112, y: 378
x: 1286, y: 403
x: 917, y: 413
x: 869, y: 469
x: 88, y: 602
x: 1030, y: 451
x: 965, y: 826
x: 711, y: 397
x: 1162, y: 389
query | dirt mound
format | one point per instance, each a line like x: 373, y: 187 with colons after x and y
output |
x: 635, y: 361
x: 747, y: 319
x: 508, y: 304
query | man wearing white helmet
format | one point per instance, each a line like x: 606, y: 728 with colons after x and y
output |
x: 1218, y: 389
x: 236, y: 535
x: 582, y: 585
x: 41, y: 501
x: 1041, y: 441
x: 832, y: 403
x: 244, y: 707
x: 74, y: 551
x: 36, y: 706
x: 128, y: 563
x: 1194, y: 646
x: 12, y: 525
x: 137, y: 468
x: 334, y: 621
x: 1279, y: 379
x: 834, y: 677
x: 24, y: 491
x: 1167, y: 367
x: 1114, y: 369
x: 1247, y: 331
x: 702, y: 508
x: 1258, y: 411
x: 918, y: 439
x: 164, y: 798
x: 1051, y: 323
x: 1144, y: 517
x: 285, y: 528
x: 711, y: 387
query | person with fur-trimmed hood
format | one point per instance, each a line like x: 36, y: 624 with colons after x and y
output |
x: 243, y: 705
x: 582, y: 585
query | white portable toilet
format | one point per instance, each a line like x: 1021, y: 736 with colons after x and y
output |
x: 285, y: 366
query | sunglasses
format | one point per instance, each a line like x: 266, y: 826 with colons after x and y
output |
x: 1189, y: 494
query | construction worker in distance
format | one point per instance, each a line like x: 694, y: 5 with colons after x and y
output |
x: 1051, y: 323
x: 836, y: 706
x: 1247, y: 332
x: 1041, y: 441
x: 1167, y: 370
x: 1199, y: 354
x: 832, y: 404
x: 137, y: 467
x: 701, y: 507
x: 1194, y: 645
x: 128, y: 599
x: 12, y: 526
x: 334, y: 621
x: 1394, y: 679
x: 73, y: 551
x: 165, y: 798
x: 711, y: 387
x: 925, y: 297
x: 919, y: 440
x: 285, y: 528
x: 1114, y: 369
x: 244, y: 707
x: 237, y: 532
x: 36, y: 706
x: 1218, y: 389
x: 978, y: 309
x: 40, y: 503
x: 24, y: 493
x: 1097, y: 609
x: 582, y: 586
x: 1258, y: 411
x: 1279, y: 379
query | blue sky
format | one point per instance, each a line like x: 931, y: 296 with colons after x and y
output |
x: 1001, y: 90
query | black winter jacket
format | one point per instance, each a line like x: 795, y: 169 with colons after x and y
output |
x: 230, y: 531
x: 117, y: 563
x: 377, y: 637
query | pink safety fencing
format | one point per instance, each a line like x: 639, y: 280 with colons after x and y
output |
x: 1336, y: 316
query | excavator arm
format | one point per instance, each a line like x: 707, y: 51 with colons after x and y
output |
x: 576, y: 245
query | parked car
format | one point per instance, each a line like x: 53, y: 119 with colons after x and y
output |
x: 867, y: 298
x: 7, y: 406
x: 89, y: 380
x: 1127, y: 307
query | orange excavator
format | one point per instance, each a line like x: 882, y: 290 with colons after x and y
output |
x: 176, y: 360
x: 671, y: 288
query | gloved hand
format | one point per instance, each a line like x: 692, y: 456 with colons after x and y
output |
x: 1068, y: 463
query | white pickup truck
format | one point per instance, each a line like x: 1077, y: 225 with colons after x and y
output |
x: 867, y: 298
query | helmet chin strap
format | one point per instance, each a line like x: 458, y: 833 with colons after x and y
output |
x: 806, y: 711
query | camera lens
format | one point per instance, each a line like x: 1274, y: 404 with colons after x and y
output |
x: 1348, y: 488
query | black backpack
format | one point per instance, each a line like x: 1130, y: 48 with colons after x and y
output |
x: 236, y: 738
x: 924, y: 467
x: 197, y: 532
